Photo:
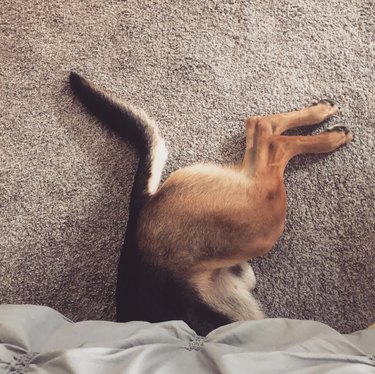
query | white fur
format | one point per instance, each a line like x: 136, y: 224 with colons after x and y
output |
x: 159, y: 156
x: 158, y: 151
x: 230, y: 294
x: 248, y: 276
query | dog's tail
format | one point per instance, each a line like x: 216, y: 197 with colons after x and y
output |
x: 133, y: 124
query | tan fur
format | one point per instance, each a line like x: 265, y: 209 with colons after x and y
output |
x: 207, y: 218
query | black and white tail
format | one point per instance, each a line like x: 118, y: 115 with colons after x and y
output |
x: 133, y: 124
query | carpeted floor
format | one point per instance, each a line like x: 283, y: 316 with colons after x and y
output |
x: 200, y: 68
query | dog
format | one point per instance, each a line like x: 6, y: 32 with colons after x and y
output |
x: 188, y: 242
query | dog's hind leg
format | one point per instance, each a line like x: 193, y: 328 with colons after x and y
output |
x: 325, y: 142
x: 266, y: 156
x: 268, y: 152
x: 311, y: 115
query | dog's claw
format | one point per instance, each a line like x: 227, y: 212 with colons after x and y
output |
x: 326, y: 101
x: 339, y: 128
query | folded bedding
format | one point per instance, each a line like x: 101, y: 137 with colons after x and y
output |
x: 38, y: 339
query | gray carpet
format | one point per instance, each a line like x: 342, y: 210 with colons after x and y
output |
x: 200, y: 68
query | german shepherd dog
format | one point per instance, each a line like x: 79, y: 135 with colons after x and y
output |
x: 188, y: 242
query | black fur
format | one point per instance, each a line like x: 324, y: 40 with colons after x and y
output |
x: 151, y: 294
x: 144, y: 292
x: 126, y: 124
x: 236, y: 270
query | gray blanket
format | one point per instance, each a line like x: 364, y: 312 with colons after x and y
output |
x: 40, y: 340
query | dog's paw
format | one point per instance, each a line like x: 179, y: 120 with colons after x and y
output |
x: 340, y: 129
x: 324, y: 109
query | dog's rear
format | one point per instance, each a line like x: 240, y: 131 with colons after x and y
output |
x: 187, y: 243
x: 145, y: 291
